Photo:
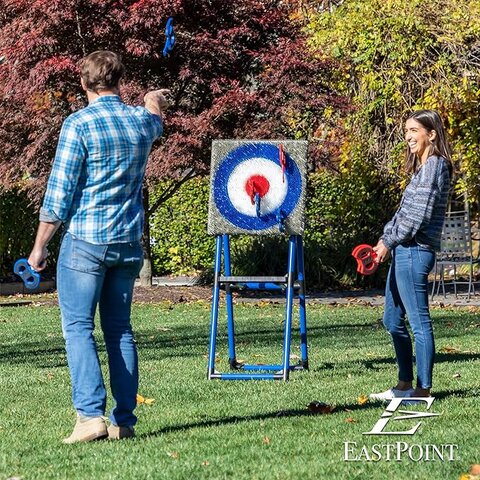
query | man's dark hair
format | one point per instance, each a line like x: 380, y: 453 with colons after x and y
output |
x: 101, y: 70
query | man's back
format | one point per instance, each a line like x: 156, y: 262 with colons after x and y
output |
x: 96, y: 182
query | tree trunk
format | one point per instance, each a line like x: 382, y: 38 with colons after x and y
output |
x: 146, y: 272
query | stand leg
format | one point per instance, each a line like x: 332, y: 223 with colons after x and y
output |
x: 215, y: 304
x: 301, y: 298
x: 455, y: 280
x: 232, y: 358
x: 442, y: 279
x: 289, y: 307
x: 470, y: 282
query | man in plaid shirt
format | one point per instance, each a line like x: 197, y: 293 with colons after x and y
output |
x: 95, y: 190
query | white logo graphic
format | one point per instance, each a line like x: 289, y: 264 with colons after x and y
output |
x: 378, y: 428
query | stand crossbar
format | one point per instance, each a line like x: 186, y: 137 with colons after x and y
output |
x: 292, y: 283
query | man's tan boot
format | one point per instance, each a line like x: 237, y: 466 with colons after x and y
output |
x: 87, y: 429
x: 117, y: 433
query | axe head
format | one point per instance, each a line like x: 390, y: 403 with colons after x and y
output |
x: 365, y: 257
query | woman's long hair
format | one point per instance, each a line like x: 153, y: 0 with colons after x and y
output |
x: 430, y: 120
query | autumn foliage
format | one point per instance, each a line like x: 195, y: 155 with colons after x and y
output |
x: 239, y: 70
x: 404, y: 55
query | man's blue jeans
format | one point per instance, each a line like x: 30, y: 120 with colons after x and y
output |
x: 407, y: 294
x: 89, y: 275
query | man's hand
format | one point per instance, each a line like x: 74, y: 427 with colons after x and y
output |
x: 38, y: 258
x: 383, y: 253
x: 156, y: 101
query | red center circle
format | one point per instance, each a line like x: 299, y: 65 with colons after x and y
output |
x: 257, y: 184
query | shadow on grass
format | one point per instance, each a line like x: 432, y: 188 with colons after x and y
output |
x: 439, y: 358
x: 291, y: 413
x: 266, y: 336
x: 35, y: 354
x: 192, y: 341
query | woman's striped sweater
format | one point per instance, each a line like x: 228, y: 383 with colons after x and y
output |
x: 422, y: 209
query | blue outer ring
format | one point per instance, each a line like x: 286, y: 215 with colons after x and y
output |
x: 225, y: 169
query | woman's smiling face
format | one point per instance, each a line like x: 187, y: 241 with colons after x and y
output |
x: 418, y: 138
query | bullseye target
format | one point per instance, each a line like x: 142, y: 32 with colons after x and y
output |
x: 257, y: 187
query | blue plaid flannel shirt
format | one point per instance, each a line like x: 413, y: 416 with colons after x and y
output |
x: 95, y: 186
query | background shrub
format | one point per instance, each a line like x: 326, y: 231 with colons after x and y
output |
x: 179, y: 241
x: 339, y: 215
x: 18, y: 225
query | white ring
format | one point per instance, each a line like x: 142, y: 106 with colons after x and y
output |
x: 237, y: 181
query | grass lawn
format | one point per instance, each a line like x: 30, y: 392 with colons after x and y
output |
x: 199, y: 429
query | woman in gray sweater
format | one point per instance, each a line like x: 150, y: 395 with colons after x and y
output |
x: 411, y: 238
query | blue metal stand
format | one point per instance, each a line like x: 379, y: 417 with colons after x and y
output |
x: 287, y: 283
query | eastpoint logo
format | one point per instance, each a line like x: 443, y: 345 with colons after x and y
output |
x: 399, y: 450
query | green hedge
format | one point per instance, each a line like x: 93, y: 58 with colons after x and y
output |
x: 339, y: 215
x: 342, y: 212
x: 17, y: 229
x: 18, y: 226
x: 179, y: 240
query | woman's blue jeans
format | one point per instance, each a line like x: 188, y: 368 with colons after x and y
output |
x: 407, y: 295
x: 89, y: 275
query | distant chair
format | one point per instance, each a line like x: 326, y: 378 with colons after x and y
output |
x: 455, y: 250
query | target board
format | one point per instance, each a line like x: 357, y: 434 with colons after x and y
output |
x: 257, y: 187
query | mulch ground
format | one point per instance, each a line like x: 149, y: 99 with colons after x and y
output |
x: 178, y: 294
x: 140, y: 295
x: 171, y: 294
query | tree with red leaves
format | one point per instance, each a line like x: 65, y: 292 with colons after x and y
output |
x: 238, y: 70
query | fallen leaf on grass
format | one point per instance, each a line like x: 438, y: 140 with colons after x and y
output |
x: 475, y: 469
x: 449, y: 350
x: 49, y: 376
x: 263, y: 303
x: 266, y: 440
x: 320, y: 407
x: 350, y: 420
x: 362, y: 399
x: 173, y: 454
x: 141, y: 399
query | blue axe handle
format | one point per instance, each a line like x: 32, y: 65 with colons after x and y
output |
x: 169, y: 37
